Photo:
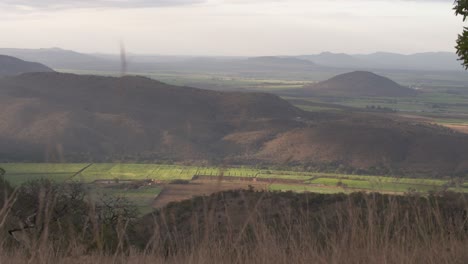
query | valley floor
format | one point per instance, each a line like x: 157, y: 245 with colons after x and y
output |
x: 155, y: 185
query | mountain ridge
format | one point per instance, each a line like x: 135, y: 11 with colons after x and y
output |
x: 67, y: 59
x: 427, y: 61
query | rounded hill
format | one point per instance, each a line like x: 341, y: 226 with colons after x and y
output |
x: 360, y: 84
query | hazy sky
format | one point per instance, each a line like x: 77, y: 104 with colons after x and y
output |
x: 231, y: 27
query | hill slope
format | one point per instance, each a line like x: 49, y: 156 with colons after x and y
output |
x: 75, y: 117
x: 62, y: 59
x: 65, y: 117
x: 358, y: 84
x: 13, y: 66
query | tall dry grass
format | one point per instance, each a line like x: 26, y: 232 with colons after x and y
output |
x: 246, y: 228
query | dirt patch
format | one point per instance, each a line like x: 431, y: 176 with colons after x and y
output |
x: 459, y: 128
x: 180, y: 192
x: 463, y: 128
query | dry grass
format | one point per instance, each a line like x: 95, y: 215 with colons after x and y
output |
x: 338, y: 229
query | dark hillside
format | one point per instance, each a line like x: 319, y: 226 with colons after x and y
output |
x: 90, y: 117
x: 66, y: 117
x: 245, y: 215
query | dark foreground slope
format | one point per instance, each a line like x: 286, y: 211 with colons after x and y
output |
x: 65, y: 117
x: 13, y: 66
x: 235, y: 227
x: 265, y: 227
x: 359, y: 84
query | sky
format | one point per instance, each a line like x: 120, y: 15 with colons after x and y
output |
x: 231, y: 27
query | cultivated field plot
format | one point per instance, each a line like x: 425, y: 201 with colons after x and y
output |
x: 180, y: 192
x: 18, y: 173
x: 434, y: 103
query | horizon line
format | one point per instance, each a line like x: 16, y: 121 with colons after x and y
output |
x: 219, y: 55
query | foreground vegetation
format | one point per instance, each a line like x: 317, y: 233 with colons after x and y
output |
x: 232, y: 227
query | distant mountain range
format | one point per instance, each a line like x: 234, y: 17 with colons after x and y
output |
x: 14, y: 66
x: 65, y: 59
x: 430, y: 61
x: 333, y: 59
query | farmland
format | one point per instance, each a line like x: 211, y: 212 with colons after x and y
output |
x: 131, y: 180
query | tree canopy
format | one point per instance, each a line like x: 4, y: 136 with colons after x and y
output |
x: 461, y: 8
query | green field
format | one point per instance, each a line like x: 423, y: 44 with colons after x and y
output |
x: 435, y: 103
x: 17, y: 173
x: 276, y: 180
